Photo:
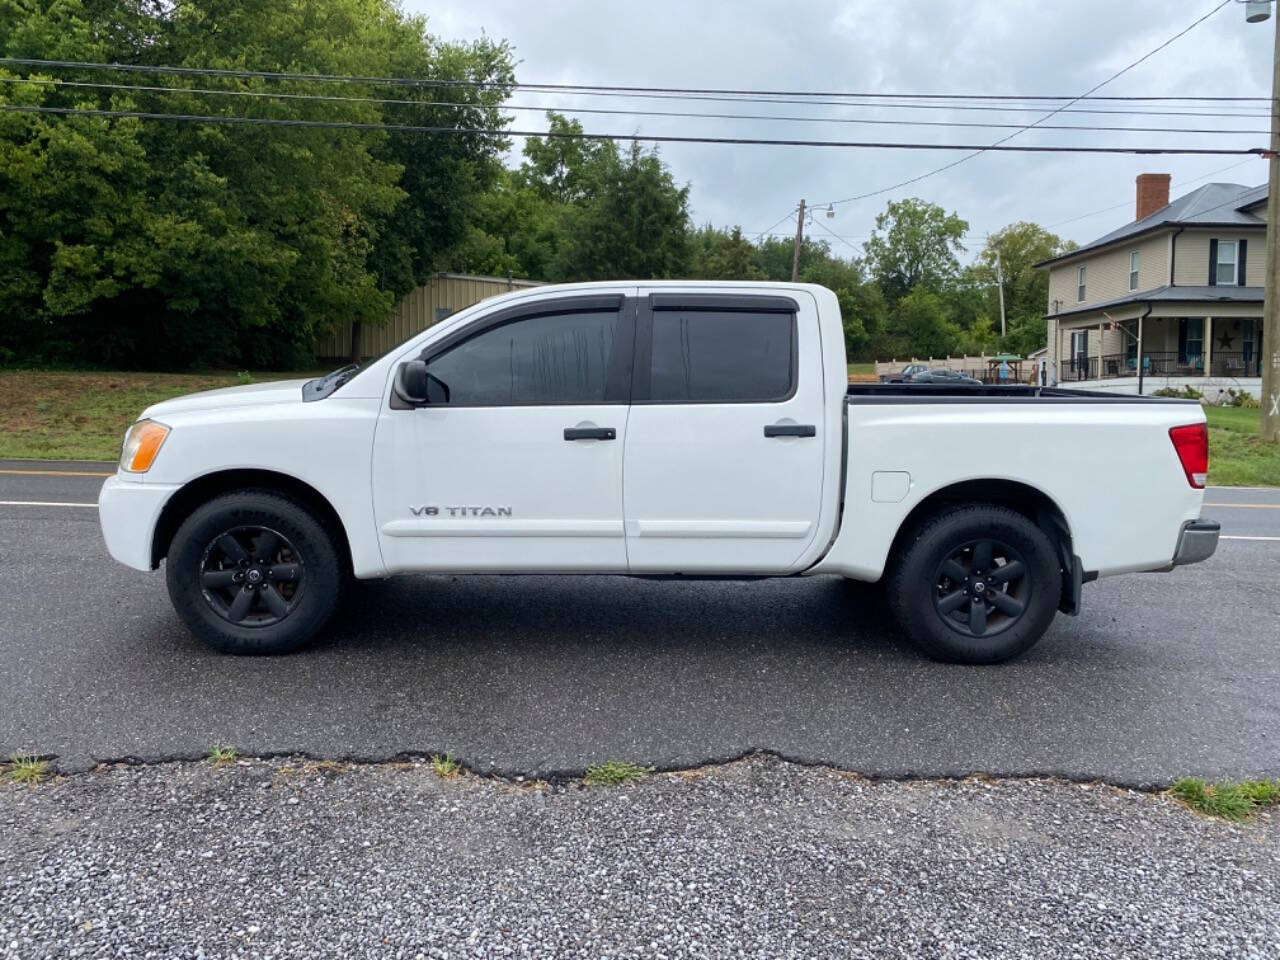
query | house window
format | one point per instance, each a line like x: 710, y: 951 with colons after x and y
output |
x: 1080, y: 286
x: 1226, y: 275
x: 1133, y: 270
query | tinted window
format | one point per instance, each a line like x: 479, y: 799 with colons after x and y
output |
x: 559, y: 358
x: 708, y: 357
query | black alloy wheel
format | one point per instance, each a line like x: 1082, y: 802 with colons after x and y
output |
x: 974, y: 583
x: 980, y: 588
x: 255, y: 572
x: 252, y: 576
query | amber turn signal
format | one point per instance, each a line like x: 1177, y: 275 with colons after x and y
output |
x: 141, y: 444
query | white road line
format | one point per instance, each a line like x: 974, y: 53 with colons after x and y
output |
x: 44, y: 503
x: 1225, y: 537
x: 53, y: 473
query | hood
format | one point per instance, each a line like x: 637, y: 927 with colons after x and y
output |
x: 249, y: 395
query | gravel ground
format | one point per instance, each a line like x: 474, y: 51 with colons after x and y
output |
x: 758, y: 858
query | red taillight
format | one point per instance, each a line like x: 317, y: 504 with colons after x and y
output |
x: 1192, y: 444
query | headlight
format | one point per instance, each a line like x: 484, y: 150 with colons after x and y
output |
x: 141, y: 444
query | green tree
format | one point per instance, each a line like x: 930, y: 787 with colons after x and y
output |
x: 1020, y: 246
x: 915, y: 244
x: 921, y: 318
x: 721, y: 255
x: 165, y: 243
x: 565, y: 168
x: 635, y: 225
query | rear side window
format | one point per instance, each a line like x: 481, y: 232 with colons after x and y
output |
x: 549, y: 359
x: 726, y: 357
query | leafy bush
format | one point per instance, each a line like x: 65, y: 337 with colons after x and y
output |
x: 1238, y: 398
x: 1184, y: 393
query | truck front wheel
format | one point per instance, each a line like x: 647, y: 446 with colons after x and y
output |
x: 975, y: 584
x: 253, y: 572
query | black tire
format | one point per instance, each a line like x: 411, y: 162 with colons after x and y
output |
x: 958, y: 612
x: 254, y: 572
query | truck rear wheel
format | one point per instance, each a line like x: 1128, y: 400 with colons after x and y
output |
x: 975, y: 584
x: 253, y: 572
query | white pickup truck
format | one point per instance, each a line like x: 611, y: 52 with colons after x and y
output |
x: 671, y: 429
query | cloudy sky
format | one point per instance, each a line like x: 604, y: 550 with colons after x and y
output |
x: 1014, y: 47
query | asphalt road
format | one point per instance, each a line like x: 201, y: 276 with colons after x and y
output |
x: 1161, y: 676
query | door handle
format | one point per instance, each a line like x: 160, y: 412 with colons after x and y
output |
x: 590, y: 433
x: 790, y: 430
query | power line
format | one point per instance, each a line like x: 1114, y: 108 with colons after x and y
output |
x: 648, y: 138
x: 274, y: 95
x: 849, y: 243
x: 1003, y: 141
x: 617, y: 88
x: 1221, y: 111
x: 769, y: 230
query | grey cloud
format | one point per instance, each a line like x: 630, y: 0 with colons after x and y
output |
x: 987, y: 46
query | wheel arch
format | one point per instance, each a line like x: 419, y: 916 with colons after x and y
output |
x: 1032, y: 502
x: 204, y: 488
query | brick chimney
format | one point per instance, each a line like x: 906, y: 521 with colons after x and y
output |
x: 1153, y: 193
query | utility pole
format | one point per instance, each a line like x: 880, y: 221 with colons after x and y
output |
x: 1000, y: 287
x: 795, y: 256
x: 1269, y: 348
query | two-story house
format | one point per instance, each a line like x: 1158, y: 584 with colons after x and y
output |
x: 1173, y: 298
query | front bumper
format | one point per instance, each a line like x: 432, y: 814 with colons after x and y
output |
x: 1197, y: 541
x: 128, y: 511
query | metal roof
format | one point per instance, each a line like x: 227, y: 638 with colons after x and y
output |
x: 1214, y: 204
x: 1166, y: 294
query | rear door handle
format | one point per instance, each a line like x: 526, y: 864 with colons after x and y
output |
x: 590, y: 433
x: 790, y: 430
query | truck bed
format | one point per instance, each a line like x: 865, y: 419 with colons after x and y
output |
x: 959, y: 392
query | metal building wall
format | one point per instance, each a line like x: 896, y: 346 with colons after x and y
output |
x: 444, y: 294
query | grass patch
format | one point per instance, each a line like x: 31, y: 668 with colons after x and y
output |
x: 445, y: 767
x: 862, y: 370
x: 220, y: 754
x: 68, y: 415
x: 1227, y: 800
x: 614, y: 773
x: 1238, y: 457
x: 25, y: 768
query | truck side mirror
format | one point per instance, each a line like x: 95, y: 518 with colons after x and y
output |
x: 411, y: 382
x: 415, y: 387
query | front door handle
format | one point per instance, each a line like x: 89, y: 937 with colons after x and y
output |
x: 590, y: 433
x: 790, y: 430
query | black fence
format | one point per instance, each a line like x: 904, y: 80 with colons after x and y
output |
x: 1161, y: 363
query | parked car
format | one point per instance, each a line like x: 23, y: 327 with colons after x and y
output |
x: 674, y: 429
x: 940, y: 375
x: 909, y: 371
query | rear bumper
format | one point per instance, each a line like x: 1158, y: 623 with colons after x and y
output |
x: 128, y: 511
x: 1197, y: 541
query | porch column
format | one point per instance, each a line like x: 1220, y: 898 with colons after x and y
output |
x: 1053, y: 337
x: 1141, y: 347
x: 1208, y: 346
x: 1102, y: 327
